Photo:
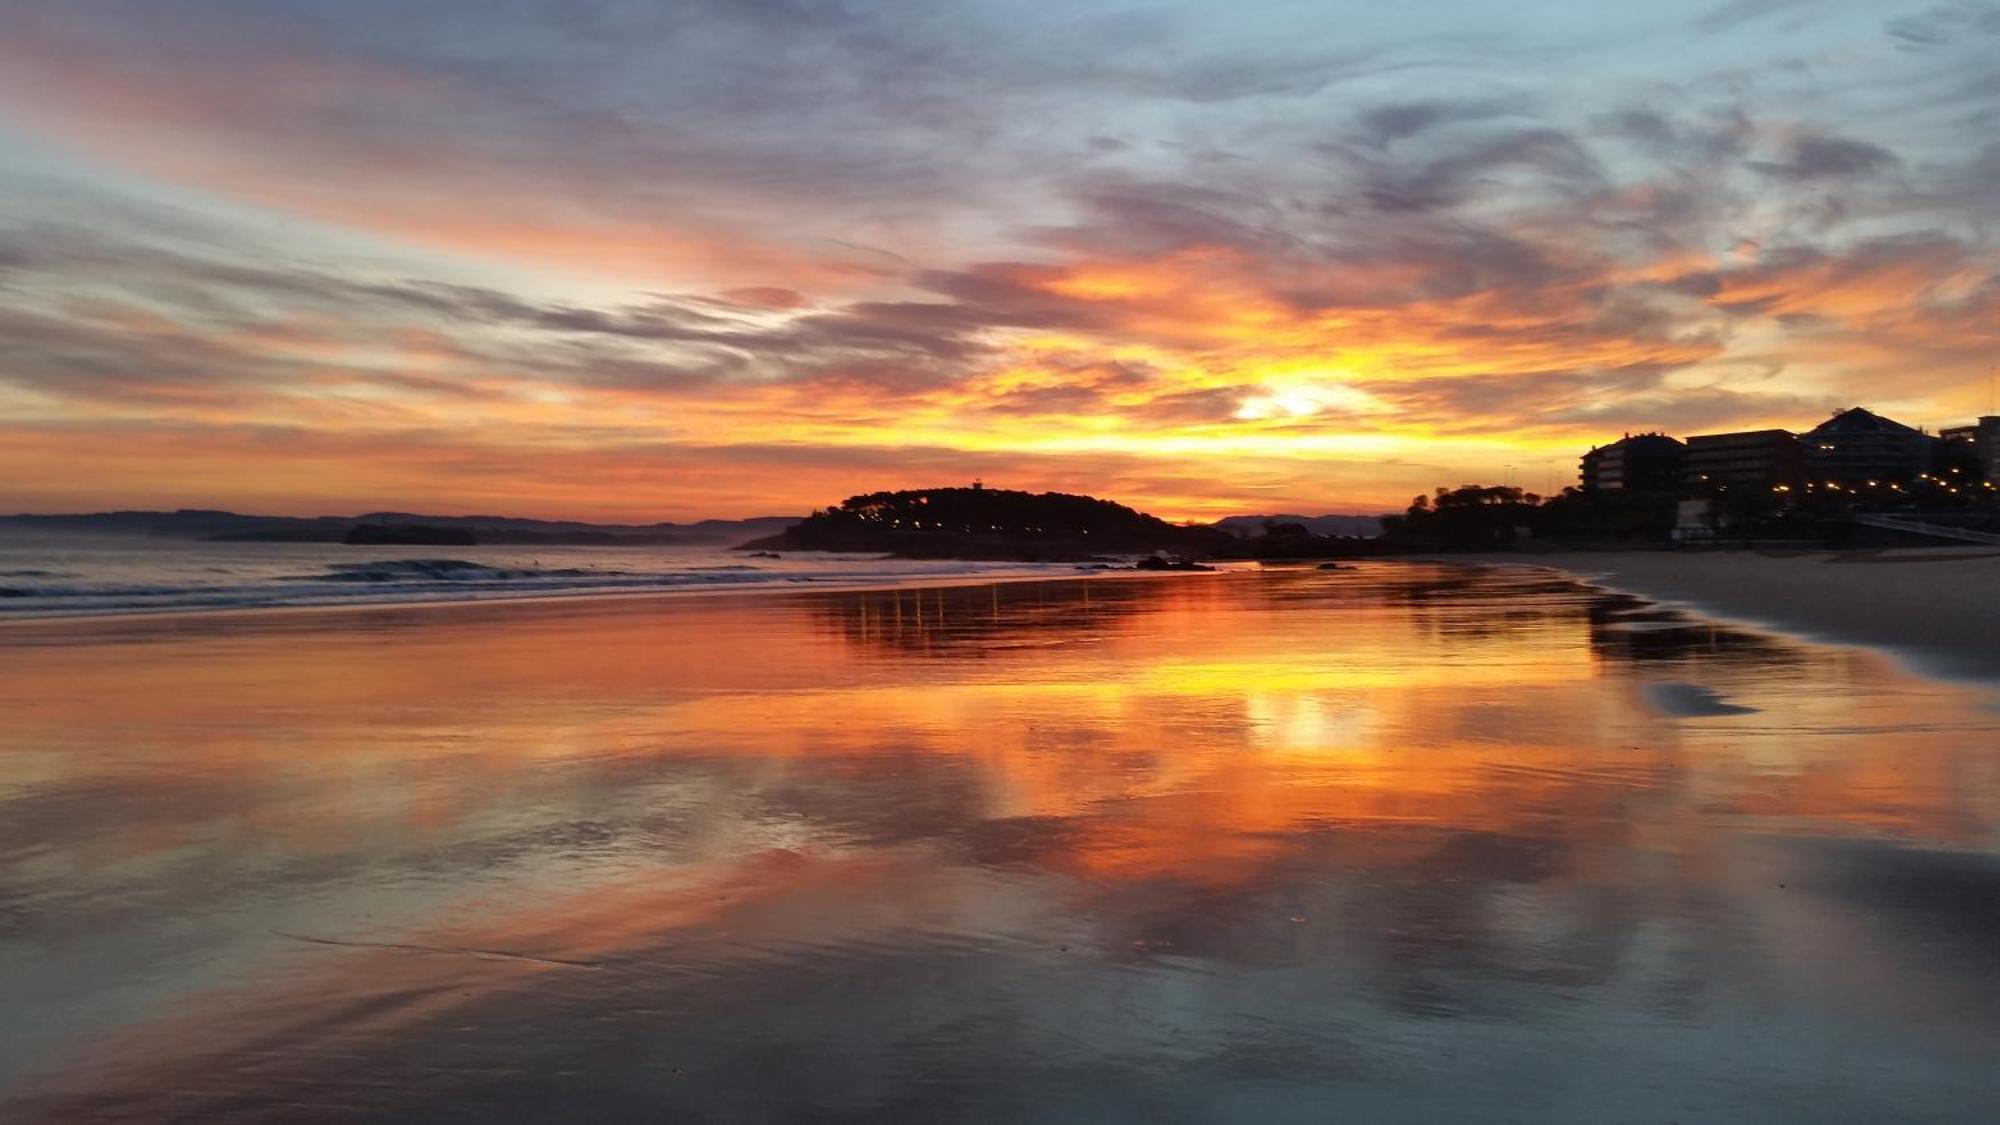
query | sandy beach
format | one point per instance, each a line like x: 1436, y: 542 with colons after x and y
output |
x: 1938, y: 609
x: 1390, y: 842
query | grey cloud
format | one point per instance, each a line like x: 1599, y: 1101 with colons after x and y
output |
x: 666, y: 344
x: 1134, y: 217
x: 1619, y: 399
x: 1698, y: 410
x: 1497, y: 403
x: 1689, y: 142
x: 1639, y: 124
x: 1944, y: 25
x: 1734, y: 14
x: 88, y: 356
x: 1933, y: 255
x: 1385, y: 124
x: 1818, y: 157
x: 1450, y: 179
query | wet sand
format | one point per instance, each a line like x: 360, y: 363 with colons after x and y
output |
x: 1939, y: 609
x: 1391, y: 843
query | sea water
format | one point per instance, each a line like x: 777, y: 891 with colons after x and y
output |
x: 54, y: 574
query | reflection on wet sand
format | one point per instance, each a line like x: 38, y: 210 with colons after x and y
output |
x: 1390, y: 841
x: 999, y: 618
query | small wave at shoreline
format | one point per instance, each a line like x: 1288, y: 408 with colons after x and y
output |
x: 42, y: 593
x: 452, y: 570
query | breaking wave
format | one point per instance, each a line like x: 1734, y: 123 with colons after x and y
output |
x: 250, y: 581
x: 448, y: 570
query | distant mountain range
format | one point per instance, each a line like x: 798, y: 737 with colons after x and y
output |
x: 411, y: 527
x: 1362, y: 527
x: 189, y: 523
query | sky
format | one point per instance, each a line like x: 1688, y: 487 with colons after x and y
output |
x: 639, y: 260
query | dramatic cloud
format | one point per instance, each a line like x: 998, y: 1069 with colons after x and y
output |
x: 727, y: 257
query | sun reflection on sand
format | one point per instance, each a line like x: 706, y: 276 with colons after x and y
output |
x: 1433, y: 793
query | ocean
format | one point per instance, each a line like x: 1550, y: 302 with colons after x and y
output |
x: 49, y: 575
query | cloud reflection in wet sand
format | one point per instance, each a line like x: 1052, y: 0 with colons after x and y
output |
x: 1402, y: 840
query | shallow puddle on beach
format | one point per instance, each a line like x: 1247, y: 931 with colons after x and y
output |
x: 1406, y: 841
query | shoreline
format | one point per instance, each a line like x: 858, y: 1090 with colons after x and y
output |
x: 579, y: 597
x: 1935, y: 611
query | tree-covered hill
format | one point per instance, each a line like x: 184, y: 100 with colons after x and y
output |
x: 978, y: 522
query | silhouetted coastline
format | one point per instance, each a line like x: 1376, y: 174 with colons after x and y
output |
x: 993, y: 524
x: 374, y: 527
